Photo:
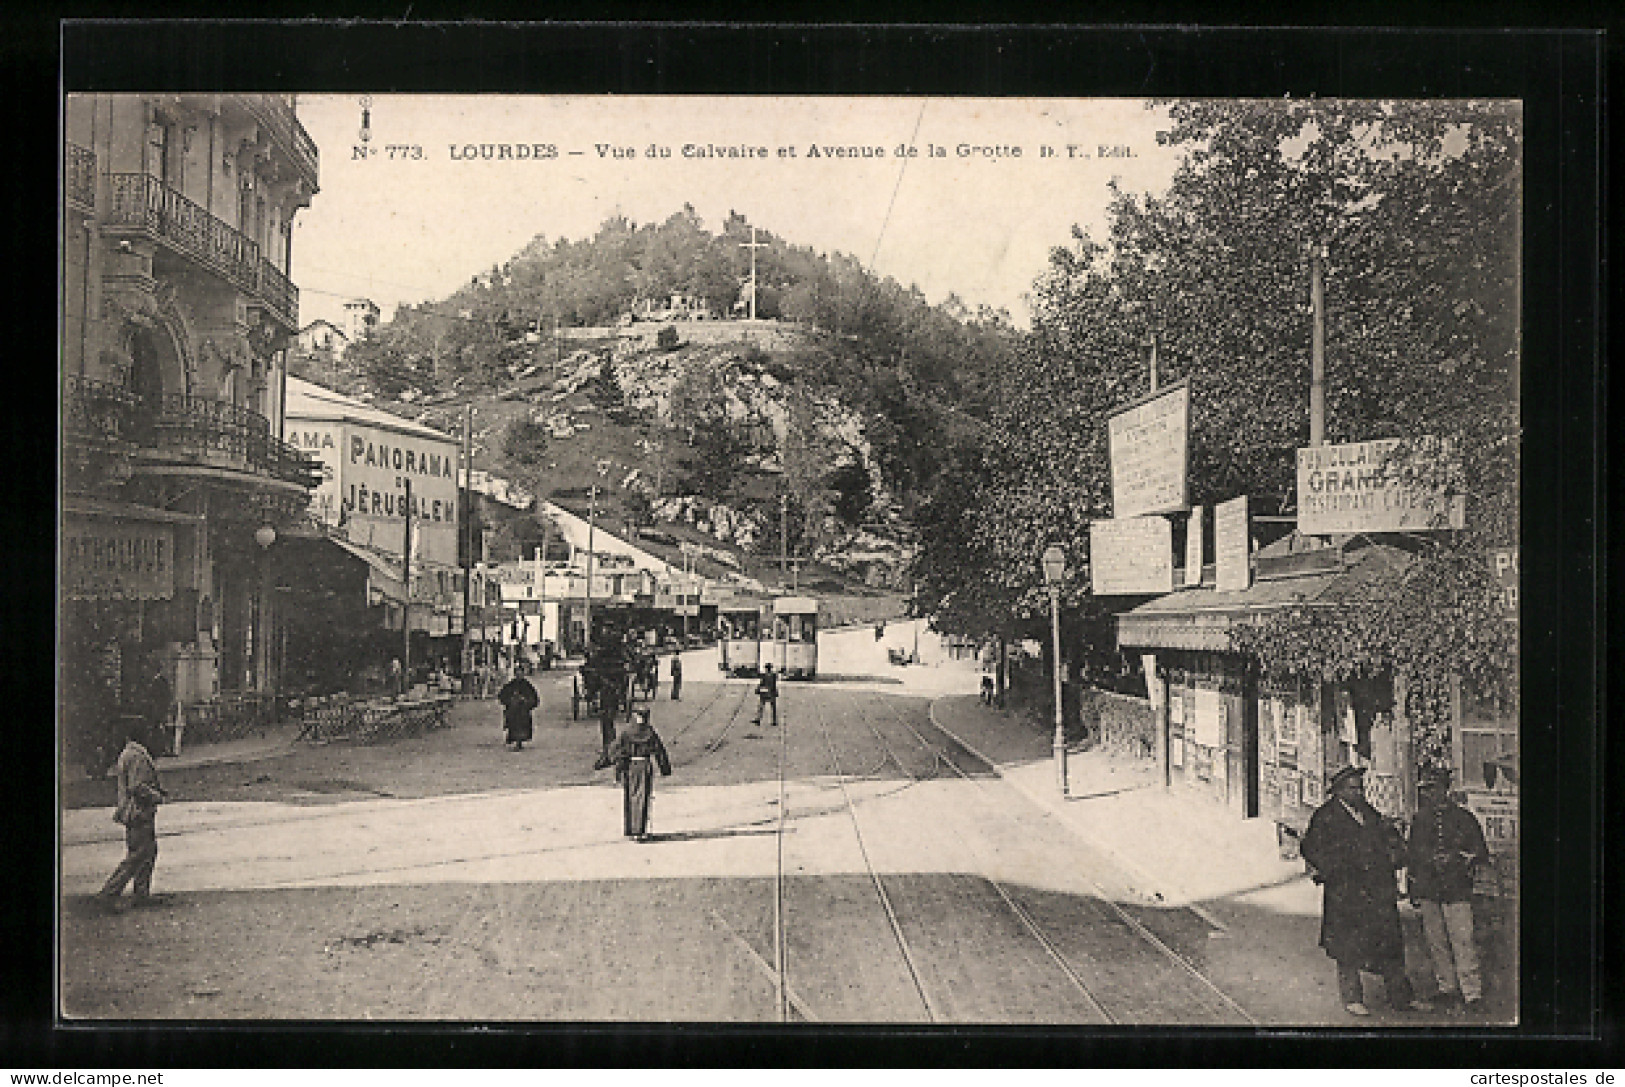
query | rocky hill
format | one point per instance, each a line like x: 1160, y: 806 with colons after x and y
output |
x: 812, y: 431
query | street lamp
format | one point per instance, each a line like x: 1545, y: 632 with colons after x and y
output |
x: 1054, y: 565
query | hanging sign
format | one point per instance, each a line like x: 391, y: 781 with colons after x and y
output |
x: 1350, y: 488
x: 1149, y: 445
x: 1232, y: 546
x: 1133, y: 557
x: 1193, y: 549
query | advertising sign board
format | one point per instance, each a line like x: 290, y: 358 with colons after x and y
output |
x: 1498, y: 814
x: 1349, y: 488
x: 1232, y: 546
x: 1131, y: 557
x: 1193, y: 549
x: 1149, y: 445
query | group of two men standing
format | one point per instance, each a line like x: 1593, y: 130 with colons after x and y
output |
x: 1354, y: 853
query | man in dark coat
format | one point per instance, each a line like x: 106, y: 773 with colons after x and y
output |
x: 676, y: 677
x: 518, y: 698
x: 1353, y: 853
x: 767, y: 695
x: 608, y: 663
x: 1446, y: 845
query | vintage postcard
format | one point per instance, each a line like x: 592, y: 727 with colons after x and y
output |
x: 790, y: 560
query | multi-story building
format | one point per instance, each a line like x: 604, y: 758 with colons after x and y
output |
x: 176, y: 309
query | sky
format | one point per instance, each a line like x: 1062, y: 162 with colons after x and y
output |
x: 419, y: 211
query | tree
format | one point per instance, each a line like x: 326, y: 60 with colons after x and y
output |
x: 1416, y: 204
x: 525, y: 442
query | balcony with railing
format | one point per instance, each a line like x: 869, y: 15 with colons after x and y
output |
x: 79, y: 178
x: 278, y: 292
x: 275, y: 114
x: 185, y: 430
x: 143, y: 204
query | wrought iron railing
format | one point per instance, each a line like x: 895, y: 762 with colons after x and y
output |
x: 278, y: 292
x: 143, y: 202
x: 79, y: 177
x: 217, y: 432
x: 100, y: 411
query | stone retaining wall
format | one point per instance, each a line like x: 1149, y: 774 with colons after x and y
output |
x: 1125, y: 724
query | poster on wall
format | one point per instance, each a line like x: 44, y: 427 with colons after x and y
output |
x: 1347, y: 732
x: 1267, y: 714
x: 1176, y: 751
x: 1209, y: 723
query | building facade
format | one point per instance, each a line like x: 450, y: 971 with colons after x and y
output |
x: 369, y: 462
x: 177, y: 309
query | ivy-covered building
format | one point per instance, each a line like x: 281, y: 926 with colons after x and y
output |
x: 1262, y: 734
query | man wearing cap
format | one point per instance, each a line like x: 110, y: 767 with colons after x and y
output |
x: 1353, y: 854
x: 1446, y: 844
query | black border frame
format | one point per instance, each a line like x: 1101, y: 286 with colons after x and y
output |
x: 1558, y: 74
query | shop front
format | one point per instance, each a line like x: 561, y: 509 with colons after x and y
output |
x: 128, y: 604
x: 1265, y: 746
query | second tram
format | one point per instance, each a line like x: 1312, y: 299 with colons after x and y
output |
x: 790, y: 636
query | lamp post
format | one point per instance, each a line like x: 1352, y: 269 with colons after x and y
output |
x: 1054, y: 565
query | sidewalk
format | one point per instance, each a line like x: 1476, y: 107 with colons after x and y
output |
x: 1180, y: 850
x: 269, y: 743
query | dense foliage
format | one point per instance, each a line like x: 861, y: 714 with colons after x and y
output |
x: 1417, y: 207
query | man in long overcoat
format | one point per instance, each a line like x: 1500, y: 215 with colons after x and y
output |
x: 1353, y: 854
x: 518, y: 699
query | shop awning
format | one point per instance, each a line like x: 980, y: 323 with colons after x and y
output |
x: 1203, y: 618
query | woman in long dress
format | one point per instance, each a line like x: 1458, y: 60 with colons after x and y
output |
x: 518, y: 698
x: 636, y: 752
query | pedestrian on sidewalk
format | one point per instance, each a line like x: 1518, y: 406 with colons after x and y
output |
x: 1446, y: 845
x: 676, y: 677
x: 518, y: 698
x: 1354, y: 854
x: 767, y: 695
x: 636, y: 752
x: 139, y: 794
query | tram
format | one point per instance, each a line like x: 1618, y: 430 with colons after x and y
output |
x: 790, y: 636
x: 739, y: 628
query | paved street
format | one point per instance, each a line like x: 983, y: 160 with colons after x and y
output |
x: 856, y: 864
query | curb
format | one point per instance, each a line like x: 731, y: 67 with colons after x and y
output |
x: 1152, y: 886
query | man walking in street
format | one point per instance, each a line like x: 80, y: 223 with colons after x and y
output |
x: 1353, y: 854
x: 767, y: 695
x: 676, y: 677
x: 139, y: 795
x: 1446, y: 845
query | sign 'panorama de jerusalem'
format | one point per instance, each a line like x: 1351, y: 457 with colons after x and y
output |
x: 1350, y: 488
x: 1149, y: 444
x: 1131, y: 556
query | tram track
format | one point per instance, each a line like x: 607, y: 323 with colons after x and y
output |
x: 1126, y: 919
x: 1108, y: 968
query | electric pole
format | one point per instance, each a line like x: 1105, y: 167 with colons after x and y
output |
x: 406, y: 593
x: 1317, y: 345
x: 468, y: 534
